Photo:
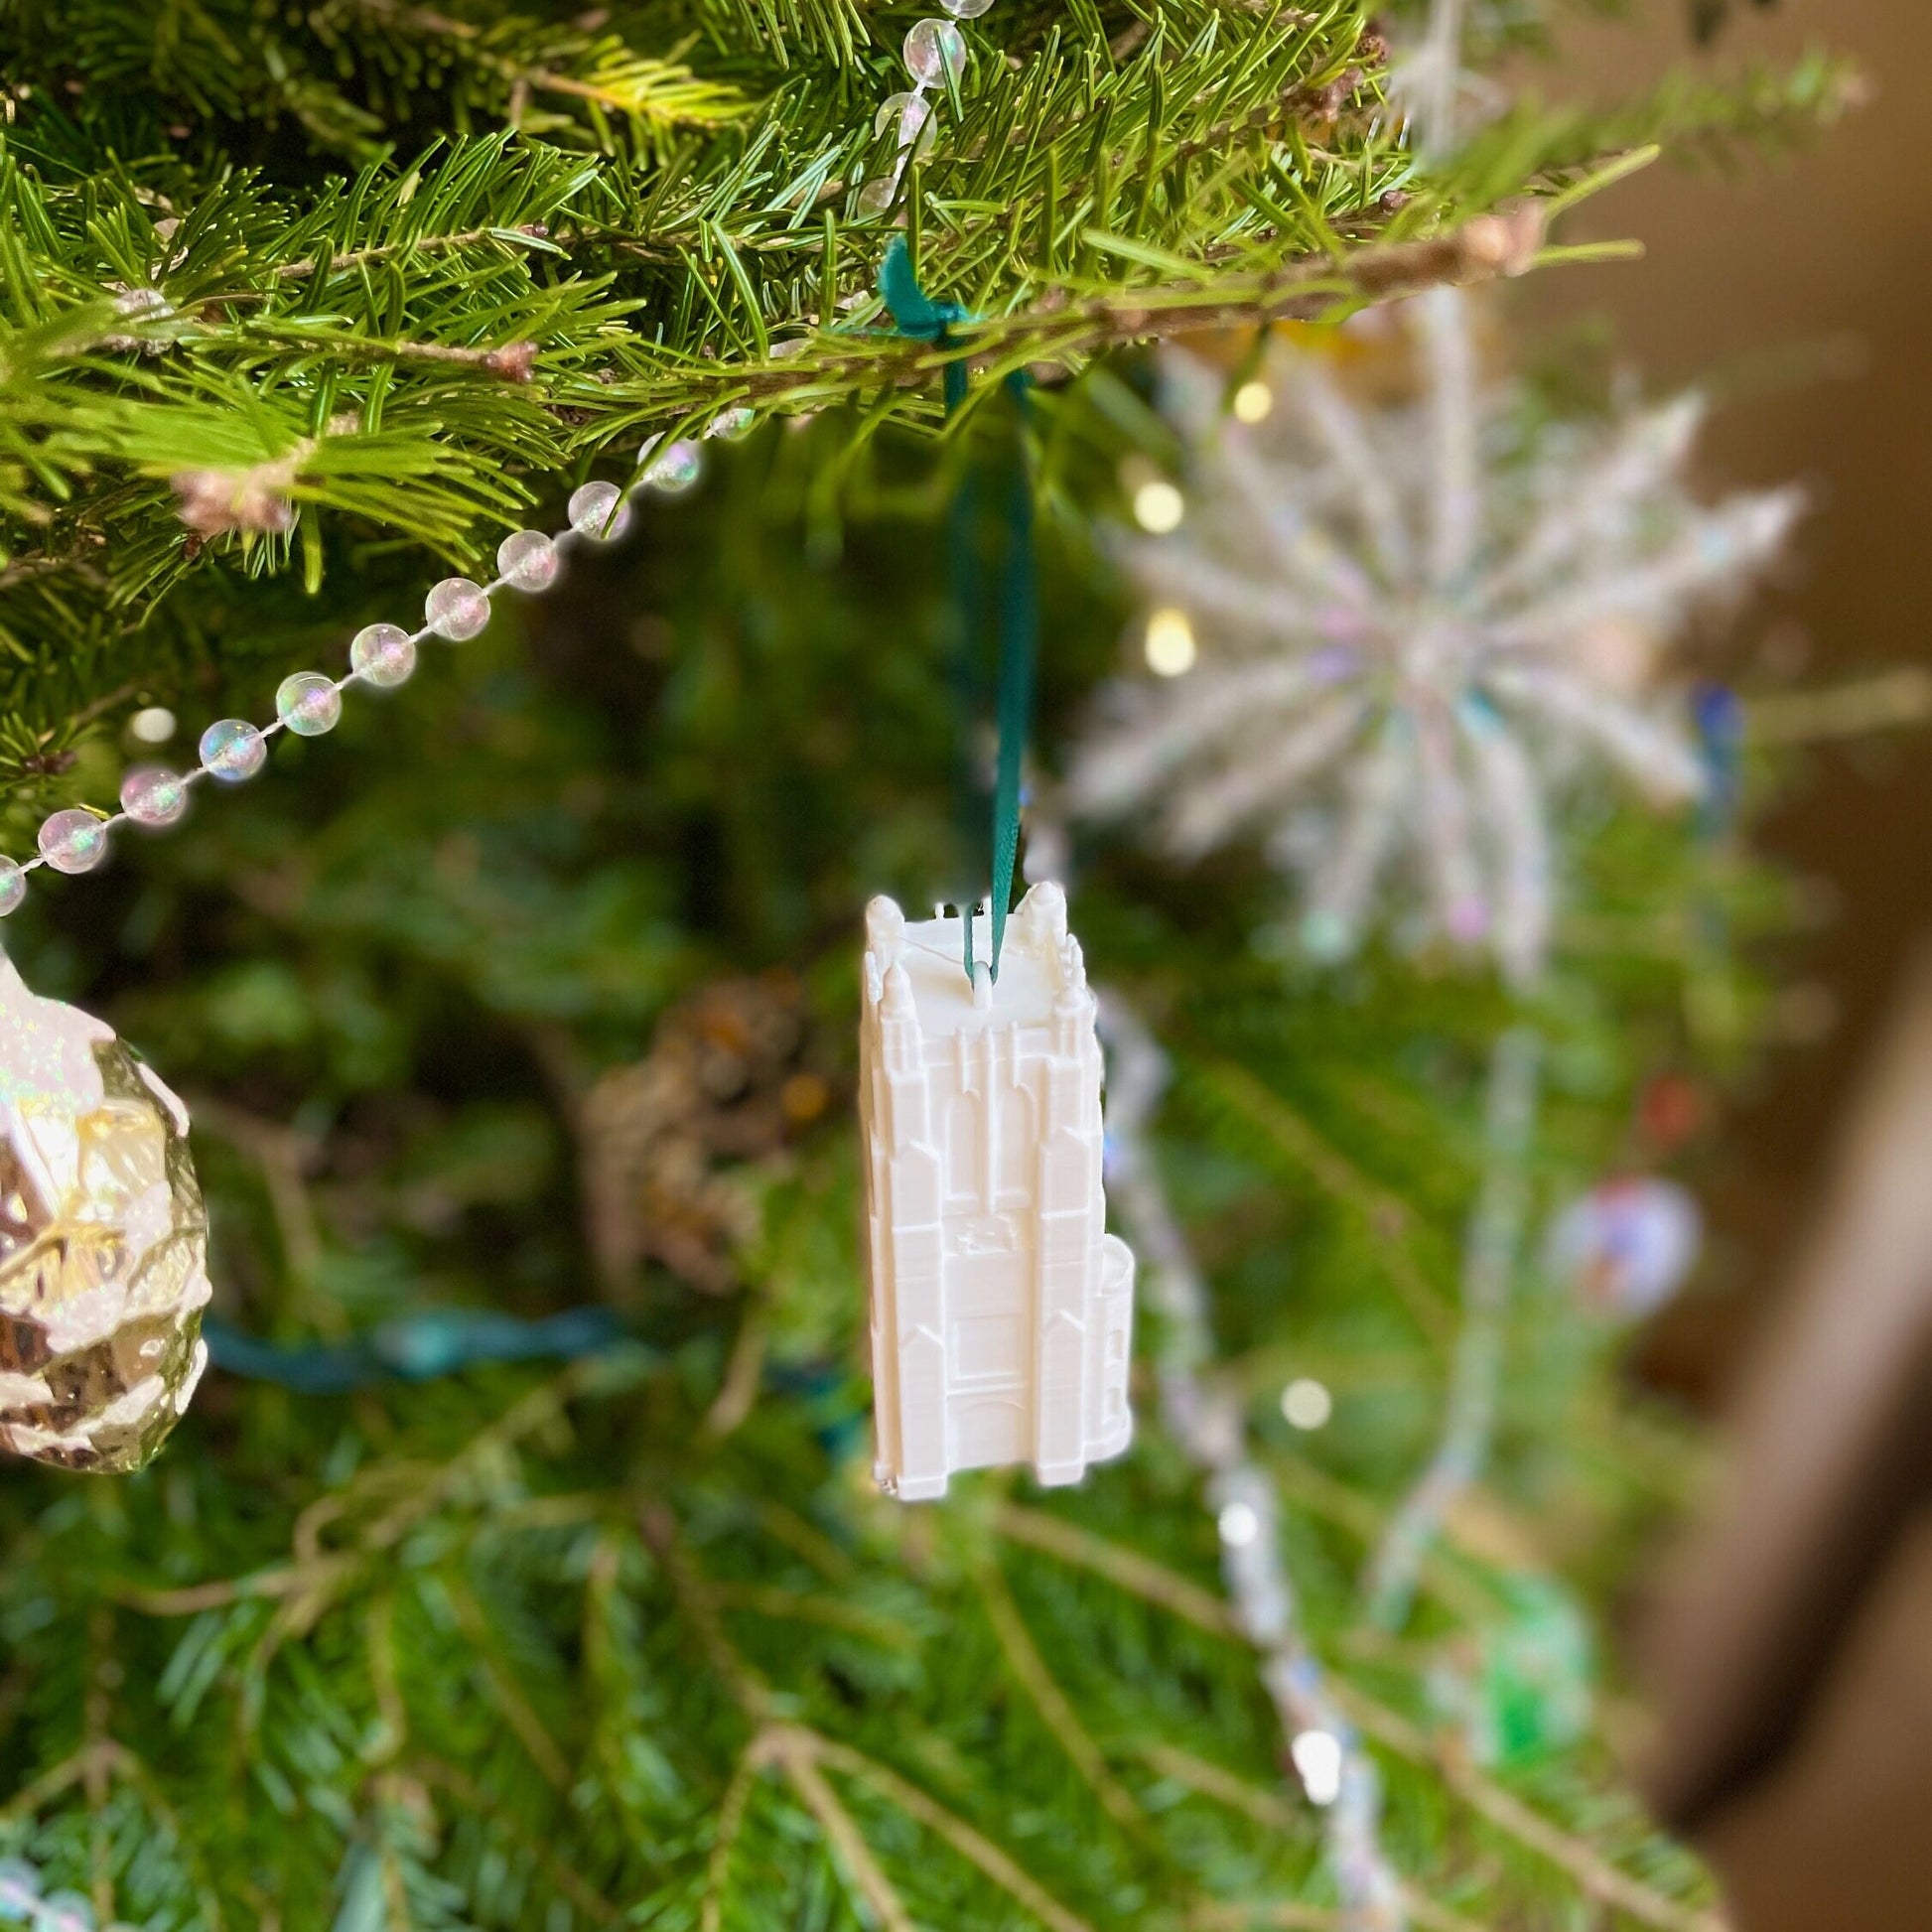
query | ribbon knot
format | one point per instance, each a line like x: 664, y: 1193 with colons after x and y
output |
x: 914, y: 313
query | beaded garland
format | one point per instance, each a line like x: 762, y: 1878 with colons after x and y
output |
x: 935, y: 52
x: 22, y: 1902
x: 76, y: 839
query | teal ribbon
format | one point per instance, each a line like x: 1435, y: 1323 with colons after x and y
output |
x: 916, y: 315
x: 1019, y: 652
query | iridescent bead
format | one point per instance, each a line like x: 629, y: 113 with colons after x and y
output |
x: 308, y: 703
x: 965, y: 9
x: 876, y: 195
x: 527, y: 559
x: 13, y: 889
x: 151, y: 794
x: 382, y: 654
x: 457, y: 609
x: 233, y: 749
x: 74, y: 840
x: 598, y: 511
x: 935, y: 49
x: 66, y: 1911
x: 22, y: 1877
x: 910, y: 117
x: 731, y: 424
x: 670, y: 468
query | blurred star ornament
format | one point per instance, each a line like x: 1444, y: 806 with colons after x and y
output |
x: 1417, y: 620
x: 1626, y: 1248
x: 104, y: 1242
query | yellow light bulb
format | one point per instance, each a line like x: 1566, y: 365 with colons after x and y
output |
x: 1253, y: 401
x: 1157, y: 507
x: 1171, y: 648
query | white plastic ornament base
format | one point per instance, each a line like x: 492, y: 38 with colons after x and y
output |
x: 1002, y: 1310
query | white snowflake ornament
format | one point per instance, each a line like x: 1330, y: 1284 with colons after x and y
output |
x: 1407, y: 624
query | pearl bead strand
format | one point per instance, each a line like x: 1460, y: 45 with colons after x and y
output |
x: 935, y: 52
x: 22, y: 1902
x: 231, y: 750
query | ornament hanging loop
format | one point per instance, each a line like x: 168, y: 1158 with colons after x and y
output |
x: 915, y: 314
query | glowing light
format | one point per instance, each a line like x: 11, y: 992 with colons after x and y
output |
x: 1318, y: 1756
x: 1157, y: 507
x: 1253, y: 401
x: 1307, y: 1404
x: 153, y: 726
x: 1239, y: 1526
x: 1171, y: 648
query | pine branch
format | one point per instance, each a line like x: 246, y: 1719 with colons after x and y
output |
x: 1056, y: 1713
x: 975, y: 1849
x: 797, y: 1753
x: 660, y: 93
x: 1601, y: 1881
x: 731, y: 1815
x: 1127, y: 1569
x: 487, y: 303
x: 1379, y: 1211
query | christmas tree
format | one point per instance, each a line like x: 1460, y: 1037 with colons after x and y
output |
x: 518, y: 1563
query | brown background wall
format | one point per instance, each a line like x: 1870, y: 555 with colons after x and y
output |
x: 1829, y: 254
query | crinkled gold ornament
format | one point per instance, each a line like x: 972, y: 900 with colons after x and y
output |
x: 104, y: 1242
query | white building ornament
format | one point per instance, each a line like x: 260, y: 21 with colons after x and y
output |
x: 1002, y: 1310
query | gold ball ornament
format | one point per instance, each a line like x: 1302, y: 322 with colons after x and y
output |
x: 104, y: 1242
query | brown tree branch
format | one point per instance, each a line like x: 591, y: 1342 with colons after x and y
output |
x: 1054, y: 1707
